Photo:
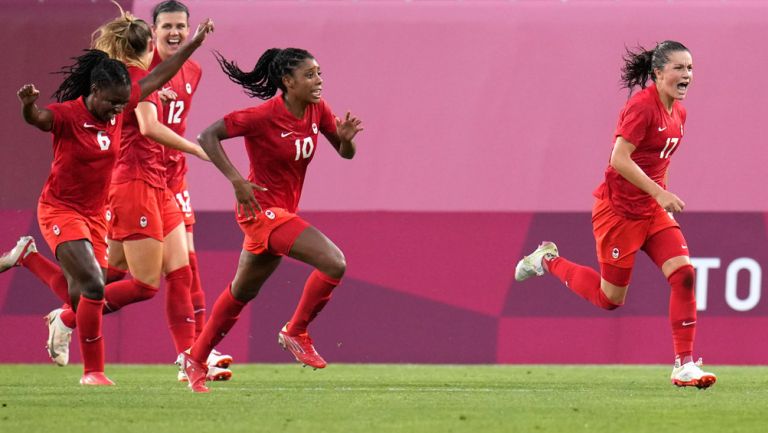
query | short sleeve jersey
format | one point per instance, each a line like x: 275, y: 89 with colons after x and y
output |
x: 84, y: 154
x: 656, y: 135
x: 140, y: 157
x: 280, y: 147
x: 175, y: 113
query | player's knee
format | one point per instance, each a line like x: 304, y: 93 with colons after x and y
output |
x: 335, y: 266
x: 92, y: 287
x: 683, y: 277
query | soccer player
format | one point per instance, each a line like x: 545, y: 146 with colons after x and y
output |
x: 633, y: 210
x: 171, y: 28
x: 280, y: 138
x: 86, y: 124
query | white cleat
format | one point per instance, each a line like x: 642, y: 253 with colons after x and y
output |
x: 217, y: 359
x: 690, y: 374
x: 530, y: 265
x: 59, y: 336
x: 24, y: 246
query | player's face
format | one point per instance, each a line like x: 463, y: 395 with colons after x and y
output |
x: 676, y: 76
x: 171, y: 29
x: 108, y: 102
x: 306, y: 82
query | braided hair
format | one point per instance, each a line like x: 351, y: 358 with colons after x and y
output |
x: 267, y: 76
x: 125, y: 38
x: 94, y: 68
x: 640, y: 63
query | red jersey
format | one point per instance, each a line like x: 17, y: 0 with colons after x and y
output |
x: 84, y: 154
x: 140, y: 157
x: 280, y: 147
x: 656, y: 134
x: 184, y: 83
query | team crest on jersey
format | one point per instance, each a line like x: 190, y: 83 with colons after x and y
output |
x: 108, y: 215
x: 269, y: 214
x: 189, y: 88
x: 143, y: 221
x: 56, y: 230
x: 314, y: 128
x: 112, y: 121
x: 615, y: 253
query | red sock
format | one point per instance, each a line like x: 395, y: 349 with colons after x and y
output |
x: 226, y: 311
x: 682, y: 311
x: 317, y: 292
x: 198, y: 296
x: 121, y: 293
x: 68, y: 317
x: 49, y: 273
x: 114, y: 274
x: 178, y: 308
x: 582, y: 280
x: 89, y: 332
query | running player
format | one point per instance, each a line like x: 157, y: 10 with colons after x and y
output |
x: 86, y: 125
x: 280, y: 137
x: 634, y: 209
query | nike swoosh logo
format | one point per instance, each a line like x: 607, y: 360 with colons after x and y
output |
x: 92, y: 340
x: 88, y: 125
x: 189, y: 320
x: 285, y: 134
x: 661, y: 129
x: 685, y: 247
x: 688, y: 323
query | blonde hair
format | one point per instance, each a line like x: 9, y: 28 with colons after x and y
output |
x: 125, y: 38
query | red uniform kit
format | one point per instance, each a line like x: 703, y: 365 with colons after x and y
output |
x: 624, y: 216
x: 141, y: 205
x: 280, y: 147
x: 175, y: 113
x: 73, y: 201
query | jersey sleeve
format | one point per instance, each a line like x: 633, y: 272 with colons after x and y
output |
x: 61, y: 118
x: 133, y: 101
x: 241, y: 123
x: 633, y: 124
x: 327, y: 119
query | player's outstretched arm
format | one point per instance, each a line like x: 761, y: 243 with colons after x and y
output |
x: 149, y: 126
x: 42, y: 118
x: 168, y: 68
x: 343, y: 139
x: 210, y: 140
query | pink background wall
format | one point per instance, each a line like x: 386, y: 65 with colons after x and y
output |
x: 474, y: 112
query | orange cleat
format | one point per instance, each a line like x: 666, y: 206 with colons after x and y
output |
x: 96, y: 378
x: 196, y: 372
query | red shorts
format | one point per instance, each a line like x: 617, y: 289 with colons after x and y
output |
x: 258, y: 231
x: 59, y: 225
x: 180, y: 192
x: 137, y: 209
x: 618, y: 238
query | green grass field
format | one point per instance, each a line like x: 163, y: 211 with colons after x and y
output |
x: 384, y: 398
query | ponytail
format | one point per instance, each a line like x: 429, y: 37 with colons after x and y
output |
x: 639, y: 64
x: 92, y: 68
x: 267, y: 76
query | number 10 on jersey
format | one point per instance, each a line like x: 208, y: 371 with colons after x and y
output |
x: 304, y: 148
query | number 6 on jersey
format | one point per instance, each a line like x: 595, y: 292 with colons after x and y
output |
x: 304, y: 148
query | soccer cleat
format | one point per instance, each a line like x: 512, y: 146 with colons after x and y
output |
x: 96, y: 378
x: 215, y: 374
x: 195, y: 372
x: 24, y: 246
x: 531, y: 265
x: 59, y: 336
x: 301, y: 347
x: 690, y: 374
x: 217, y: 359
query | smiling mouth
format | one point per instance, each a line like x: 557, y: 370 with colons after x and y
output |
x: 317, y: 92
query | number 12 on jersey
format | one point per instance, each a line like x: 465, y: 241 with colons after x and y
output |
x: 667, y: 148
x: 304, y: 148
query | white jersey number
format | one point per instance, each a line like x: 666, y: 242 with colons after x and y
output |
x: 174, y: 112
x: 103, y: 139
x: 183, y: 199
x: 304, y: 148
x: 670, y: 146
